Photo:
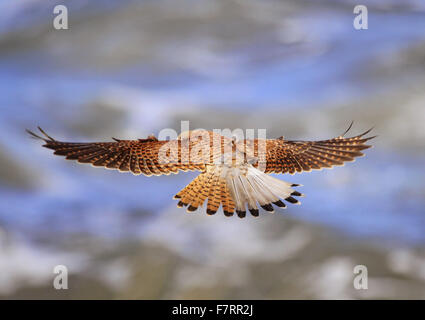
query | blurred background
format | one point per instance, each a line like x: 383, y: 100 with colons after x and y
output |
x: 131, y: 68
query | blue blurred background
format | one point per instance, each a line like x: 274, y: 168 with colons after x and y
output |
x: 131, y: 68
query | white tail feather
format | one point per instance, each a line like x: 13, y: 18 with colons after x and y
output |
x: 248, y: 185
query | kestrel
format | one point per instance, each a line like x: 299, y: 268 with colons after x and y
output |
x: 234, y: 174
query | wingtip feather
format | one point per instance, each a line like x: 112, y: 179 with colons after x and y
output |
x: 44, y: 133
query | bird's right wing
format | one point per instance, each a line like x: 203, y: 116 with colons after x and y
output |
x: 291, y: 156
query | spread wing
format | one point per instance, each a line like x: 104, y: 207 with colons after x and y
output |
x: 140, y: 156
x: 291, y: 156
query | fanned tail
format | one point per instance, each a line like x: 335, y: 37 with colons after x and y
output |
x: 208, y: 185
x: 236, y: 189
x: 250, y: 187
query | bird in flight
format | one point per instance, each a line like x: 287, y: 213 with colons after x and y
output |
x: 234, y: 174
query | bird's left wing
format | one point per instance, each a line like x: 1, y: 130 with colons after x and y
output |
x: 142, y: 156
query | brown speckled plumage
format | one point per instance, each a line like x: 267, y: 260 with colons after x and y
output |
x: 233, y: 186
